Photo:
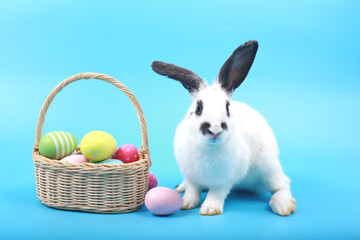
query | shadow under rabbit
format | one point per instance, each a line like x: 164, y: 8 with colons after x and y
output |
x: 238, y: 199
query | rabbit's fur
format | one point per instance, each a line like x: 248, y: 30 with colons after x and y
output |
x: 222, y: 144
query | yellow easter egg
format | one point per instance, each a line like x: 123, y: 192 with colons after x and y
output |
x: 97, y: 145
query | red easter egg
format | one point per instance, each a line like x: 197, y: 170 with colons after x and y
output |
x: 126, y: 153
x: 153, y: 182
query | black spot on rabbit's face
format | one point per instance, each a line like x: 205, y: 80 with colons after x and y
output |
x: 199, y: 107
x: 224, y: 126
x: 204, y: 127
x: 228, y: 108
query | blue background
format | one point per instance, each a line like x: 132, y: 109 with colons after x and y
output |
x: 305, y: 81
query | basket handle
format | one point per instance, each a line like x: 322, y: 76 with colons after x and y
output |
x: 144, y: 150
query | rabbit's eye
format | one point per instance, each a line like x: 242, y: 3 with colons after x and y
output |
x: 228, y: 108
x: 199, y: 108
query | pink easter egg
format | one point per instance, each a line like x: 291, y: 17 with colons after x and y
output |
x: 75, y: 159
x: 153, y: 182
x: 126, y: 153
x: 163, y: 201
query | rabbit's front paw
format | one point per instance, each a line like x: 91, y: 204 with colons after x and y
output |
x: 181, y: 188
x: 210, y: 210
x: 214, y: 202
x: 282, y: 203
x: 190, y: 202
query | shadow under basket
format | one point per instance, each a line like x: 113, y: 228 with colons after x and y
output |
x: 88, y: 187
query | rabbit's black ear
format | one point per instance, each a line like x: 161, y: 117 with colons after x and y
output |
x: 237, y: 66
x: 188, y: 79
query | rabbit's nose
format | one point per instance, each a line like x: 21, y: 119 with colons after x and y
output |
x: 215, y: 129
x: 214, y: 134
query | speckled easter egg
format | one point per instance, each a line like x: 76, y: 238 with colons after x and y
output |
x: 153, y: 182
x: 163, y: 201
x: 57, y: 144
x: 97, y: 145
x: 126, y: 153
x: 75, y: 159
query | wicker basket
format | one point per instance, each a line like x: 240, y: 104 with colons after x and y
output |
x: 100, y: 188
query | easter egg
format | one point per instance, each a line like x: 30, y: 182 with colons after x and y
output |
x: 109, y: 161
x: 126, y: 153
x: 75, y: 159
x: 57, y: 144
x: 153, y: 182
x: 97, y: 145
x: 163, y: 201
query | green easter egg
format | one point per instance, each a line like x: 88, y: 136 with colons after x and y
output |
x: 107, y: 161
x: 97, y: 146
x: 57, y: 144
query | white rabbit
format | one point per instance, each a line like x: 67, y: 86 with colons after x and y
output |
x: 222, y: 144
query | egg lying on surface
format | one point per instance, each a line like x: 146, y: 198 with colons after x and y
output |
x: 97, y: 145
x: 163, y: 201
x: 57, y: 144
x: 75, y: 159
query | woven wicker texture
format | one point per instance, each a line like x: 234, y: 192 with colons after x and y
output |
x: 100, y: 188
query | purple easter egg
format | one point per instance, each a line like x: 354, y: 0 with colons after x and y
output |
x: 163, y: 201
